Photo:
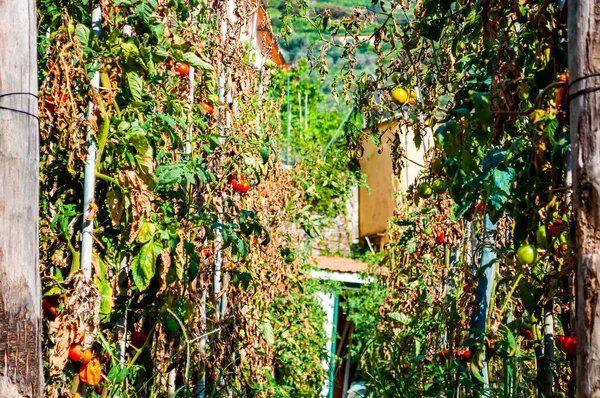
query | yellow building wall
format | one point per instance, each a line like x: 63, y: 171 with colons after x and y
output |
x: 377, y: 204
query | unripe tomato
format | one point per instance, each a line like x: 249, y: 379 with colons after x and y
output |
x: 439, y: 186
x: 428, y: 80
x: 425, y: 190
x: 182, y: 68
x: 395, y: 77
x: 526, y: 254
x: 437, y: 165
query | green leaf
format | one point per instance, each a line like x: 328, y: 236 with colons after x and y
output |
x: 481, y: 101
x: 143, y: 266
x: 146, y: 232
x: 136, y: 85
x: 264, y: 153
x: 82, y: 34
x: 195, y: 61
x: 106, y: 297
x: 266, y: 330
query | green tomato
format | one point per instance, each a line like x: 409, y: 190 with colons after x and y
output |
x: 428, y: 231
x: 541, y: 237
x: 437, y: 165
x: 527, y: 254
x: 425, y: 190
x: 428, y: 80
x: 439, y: 186
x: 171, y: 323
x: 396, y: 77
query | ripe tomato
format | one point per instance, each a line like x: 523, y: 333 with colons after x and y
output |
x: 526, y: 254
x: 554, y: 228
x: 99, y: 389
x: 104, y: 357
x: 75, y: 353
x: 440, y: 239
x: 182, y: 68
x: 465, y: 355
x: 412, y: 97
x: 86, y: 356
x: 400, y: 96
x: 206, y: 252
x: 208, y: 107
x: 567, y: 344
x: 527, y: 334
x: 239, y: 184
x: 50, y: 308
x: 479, y: 207
x: 563, y: 77
x: 443, y: 355
x: 137, y: 339
x: 536, y: 115
x: 560, y: 251
x: 91, y: 373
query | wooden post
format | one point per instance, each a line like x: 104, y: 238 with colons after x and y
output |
x: 20, y: 286
x: 584, y: 62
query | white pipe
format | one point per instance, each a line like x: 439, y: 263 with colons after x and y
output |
x: 89, y: 185
x: 89, y: 171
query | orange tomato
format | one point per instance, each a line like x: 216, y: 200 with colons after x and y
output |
x: 91, y: 373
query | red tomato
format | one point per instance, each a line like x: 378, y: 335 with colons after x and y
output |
x: 98, y: 389
x: 240, y: 184
x: 479, y: 207
x: 182, y: 68
x: 206, y: 252
x: 465, y: 356
x: 266, y: 194
x: 560, y: 251
x: 567, y: 344
x: 208, y: 107
x: 466, y: 287
x: 137, y: 339
x: 75, y: 353
x: 50, y: 308
x: 443, y: 355
x: 441, y: 238
x: 527, y: 334
x: 554, y: 228
x: 104, y: 357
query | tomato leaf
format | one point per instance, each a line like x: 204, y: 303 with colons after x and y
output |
x: 143, y: 266
x: 136, y: 85
x: 195, y: 61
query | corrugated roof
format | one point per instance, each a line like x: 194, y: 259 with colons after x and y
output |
x: 341, y: 264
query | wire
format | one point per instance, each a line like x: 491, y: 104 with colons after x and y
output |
x: 9, y: 94
x: 18, y: 110
x: 585, y: 90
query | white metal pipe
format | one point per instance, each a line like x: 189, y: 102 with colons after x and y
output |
x: 89, y: 171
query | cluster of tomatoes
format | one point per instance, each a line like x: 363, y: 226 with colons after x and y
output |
x: 90, y: 366
x: 400, y: 95
x: 183, y: 70
x: 239, y: 183
x: 463, y: 354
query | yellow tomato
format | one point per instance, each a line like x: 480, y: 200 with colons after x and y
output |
x: 400, y: 96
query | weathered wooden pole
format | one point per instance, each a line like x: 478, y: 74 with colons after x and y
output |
x: 584, y: 65
x: 20, y: 286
